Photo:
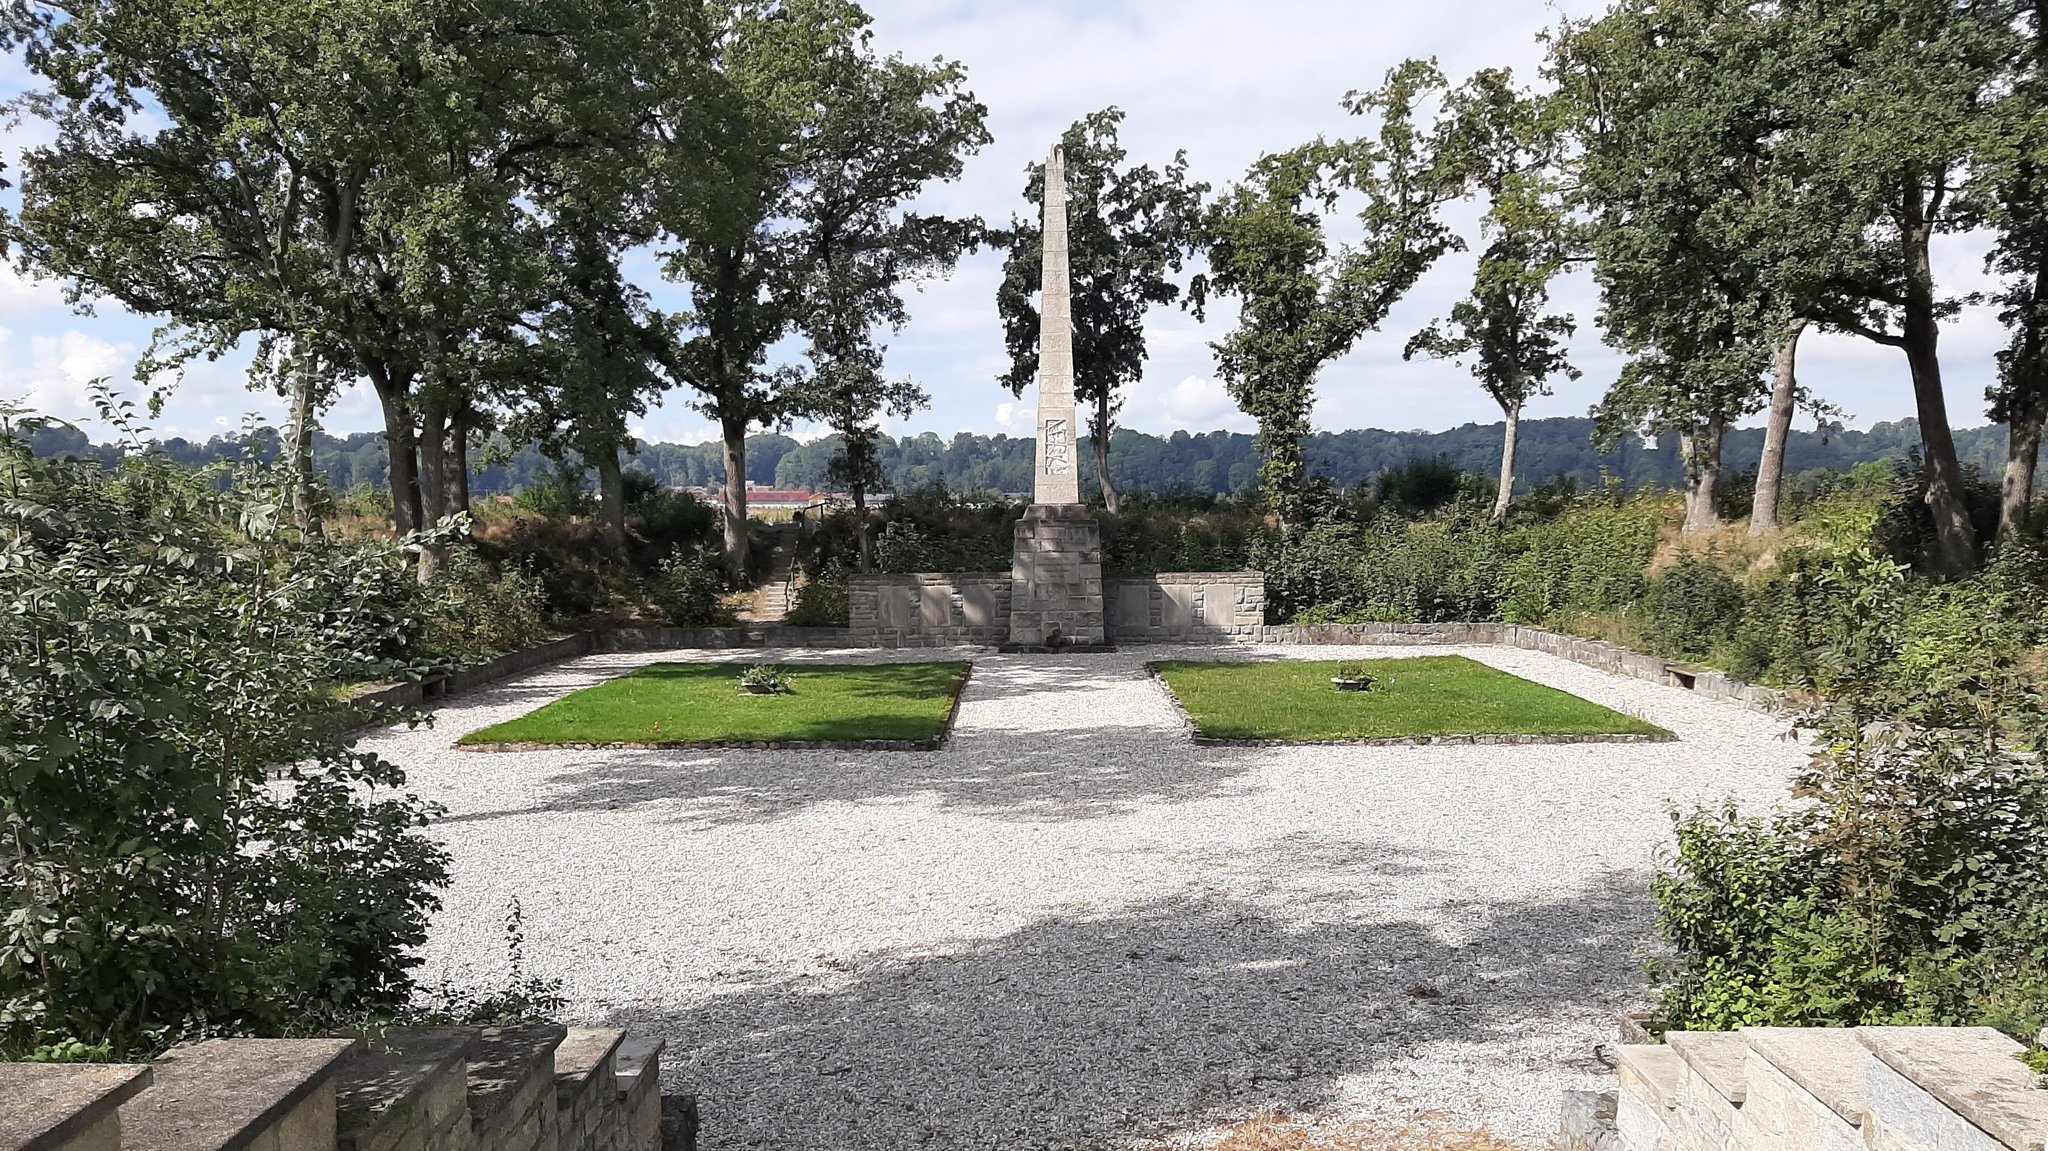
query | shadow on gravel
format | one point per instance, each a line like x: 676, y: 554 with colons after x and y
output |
x: 1088, y: 1032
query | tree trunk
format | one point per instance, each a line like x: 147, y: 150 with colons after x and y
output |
x: 458, y: 466
x: 402, y: 453
x: 735, y: 431
x: 1111, y: 501
x: 1955, y: 540
x: 2022, y: 456
x: 611, y: 500
x: 433, y: 483
x: 1703, y: 475
x: 1770, y: 469
x: 305, y: 498
x: 1508, y: 439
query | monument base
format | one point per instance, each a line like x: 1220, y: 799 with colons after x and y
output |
x: 1056, y: 580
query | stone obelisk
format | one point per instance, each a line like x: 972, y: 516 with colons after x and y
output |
x: 1056, y: 575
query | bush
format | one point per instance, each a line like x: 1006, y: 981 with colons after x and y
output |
x: 1907, y: 890
x: 822, y: 600
x: 568, y: 558
x: 193, y: 848
x: 1588, y: 561
x: 690, y: 590
x: 1691, y: 609
x: 474, y: 613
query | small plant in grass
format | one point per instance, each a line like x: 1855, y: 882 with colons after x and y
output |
x: 1353, y: 675
x: 765, y: 679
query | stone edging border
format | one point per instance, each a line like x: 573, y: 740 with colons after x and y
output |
x: 933, y: 744
x: 1188, y: 725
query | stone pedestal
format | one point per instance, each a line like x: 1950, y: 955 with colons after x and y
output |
x: 1056, y: 579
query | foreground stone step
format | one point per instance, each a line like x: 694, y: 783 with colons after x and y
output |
x: 66, y: 1106
x: 236, y: 1094
x: 512, y: 1088
x: 407, y: 1090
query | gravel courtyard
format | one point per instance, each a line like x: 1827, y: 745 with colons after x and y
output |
x: 1072, y: 928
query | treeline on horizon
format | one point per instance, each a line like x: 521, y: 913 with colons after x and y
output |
x: 1208, y: 463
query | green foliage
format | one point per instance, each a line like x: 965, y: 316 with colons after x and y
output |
x: 524, y: 998
x: 822, y: 600
x: 690, y: 590
x: 474, y: 613
x: 766, y: 679
x: 1691, y: 609
x: 192, y: 846
x: 1908, y: 889
x: 1586, y: 562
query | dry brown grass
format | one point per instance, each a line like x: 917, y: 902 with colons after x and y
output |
x: 1422, y: 1133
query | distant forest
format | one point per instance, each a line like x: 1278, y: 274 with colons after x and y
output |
x: 1223, y: 463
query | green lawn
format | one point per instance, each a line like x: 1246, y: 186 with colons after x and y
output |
x: 700, y: 703
x: 1423, y: 696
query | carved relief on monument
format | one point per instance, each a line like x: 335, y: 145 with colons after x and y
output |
x: 1059, y: 459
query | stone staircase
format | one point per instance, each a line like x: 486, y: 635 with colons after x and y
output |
x: 777, y: 593
x: 1816, y: 1089
x: 534, y: 1088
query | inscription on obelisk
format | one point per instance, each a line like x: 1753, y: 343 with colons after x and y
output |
x: 1059, y: 479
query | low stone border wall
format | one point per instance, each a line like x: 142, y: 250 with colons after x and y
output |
x: 1782, y: 1088
x: 719, y: 638
x: 534, y: 1088
x: 929, y: 609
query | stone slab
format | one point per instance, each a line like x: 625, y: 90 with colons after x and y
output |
x: 1715, y: 1056
x: 638, y: 1057
x: 224, y: 1094
x: 1903, y: 1117
x: 1972, y: 1071
x: 583, y: 1051
x: 1827, y: 1062
x: 386, y: 1084
x: 1650, y: 1073
x: 503, y: 1059
x: 51, y: 1104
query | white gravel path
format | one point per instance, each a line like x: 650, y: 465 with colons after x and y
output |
x: 1071, y: 928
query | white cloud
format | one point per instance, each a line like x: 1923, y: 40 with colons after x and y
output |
x: 52, y: 375
x: 1006, y: 415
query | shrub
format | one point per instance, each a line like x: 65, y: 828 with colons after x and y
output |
x: 690, y: 590
x: 1908, y: 889
x: 192, y: 846
x: 474, y: 613
x: 567, y: 556
x: 822, y: 600
x: 1691, y: 609
x: 1588, y: 561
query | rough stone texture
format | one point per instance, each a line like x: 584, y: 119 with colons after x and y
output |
x: 1649, y: 1078
x: 512, y: 1088
x: 1057, y: 479
x: 65, y: 1106
x: 1073, y: 927
x: 637, y: 1071
x: 1588, y: 1122
x: 1826, y: 1062
x: 1185, y: 606
x: 407, y: 1090
x: 929, y: 609
x: 1973, y: 1072
x: 1056, y: 578
x: 1716, y: 1057
x: 587, y: 1090
x: 229, y: 1094
x: 1904, y: 1117
x: 1780, y: 1112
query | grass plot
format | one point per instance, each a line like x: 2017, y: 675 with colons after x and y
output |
x: 1421, y: 697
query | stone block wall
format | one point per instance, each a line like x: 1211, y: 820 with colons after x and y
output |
x: 929, y: 609
x: 1818, y: 1089
x: 538, y: 1088
x: 1182, y: 607
x: 1056, y: 578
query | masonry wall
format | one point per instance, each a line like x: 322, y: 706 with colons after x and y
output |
x: 928, y: 609
x: 1185, y: 607
x: 533, y: 1088
x: 1816, y: 1089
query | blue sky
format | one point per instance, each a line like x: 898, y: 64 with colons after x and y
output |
x: 1223, y: 79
